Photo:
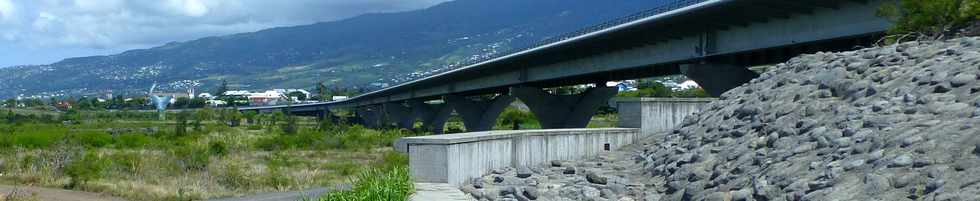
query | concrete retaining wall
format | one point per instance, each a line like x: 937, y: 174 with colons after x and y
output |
x: 456, y: 158
x: 657, y: 115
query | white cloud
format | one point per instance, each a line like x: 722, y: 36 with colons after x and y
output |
x: 6, y: 10
x: 52, y: 25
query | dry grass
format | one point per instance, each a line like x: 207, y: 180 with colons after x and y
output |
x: 157, y: 174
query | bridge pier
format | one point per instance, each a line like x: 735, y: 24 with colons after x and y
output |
x: 479, y: 115
x: 717, y: 78
x: 324, y: 115
x: 564, y: 111
x: 371, y: 116
x: 434, y: 116
x: 402, y: 114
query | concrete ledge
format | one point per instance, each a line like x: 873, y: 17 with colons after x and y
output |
x: 657, y: 115
x: 651, y: 99
x: 456, y: 158
x: 401, y: 145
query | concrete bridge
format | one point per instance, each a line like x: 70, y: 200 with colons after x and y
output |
x: 710, y: 41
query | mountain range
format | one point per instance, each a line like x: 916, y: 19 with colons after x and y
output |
x: 364, y: 52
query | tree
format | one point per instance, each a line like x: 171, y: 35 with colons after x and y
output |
x: 220, y: 91
x: 10, y: 103
x: 299, y: 95
x: 933, y: 18
x: 321, y: 90
x: 197, y: 103
x: 180, y: 128
x: 182, y: 102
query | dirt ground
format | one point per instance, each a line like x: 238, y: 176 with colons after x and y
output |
x: 51, y: 194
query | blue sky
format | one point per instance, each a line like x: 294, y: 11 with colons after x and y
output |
x: 46, y: 31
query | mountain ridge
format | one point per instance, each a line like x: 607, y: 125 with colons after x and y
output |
x: 350, y: 53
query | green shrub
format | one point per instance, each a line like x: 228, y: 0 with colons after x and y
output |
x: 180, y: 128
x: 190, y: 157
x: 218, y: 148
x: 236, y: 177
x: 931, y: 17
x: 131, y: 162
x: 93, y: 139
x: 36, y: 140
x: 377, y: 184
x: 282, y: 159
x: 134, y: 140
x: 515, y: 119
x: 393, y: 159
x: 89, y: 167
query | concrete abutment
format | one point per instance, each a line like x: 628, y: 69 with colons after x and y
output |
x: 717, y: 78
x: 564, y: 111
x: 479, y: 115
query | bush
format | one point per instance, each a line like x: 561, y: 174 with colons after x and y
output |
x: 931, y: 17
x: 192, y: 158
x: 133, y: 140
x: 236, y: 177
x: 514, y: 118
x: 377, y: 184
x: 218, y: 148
x: 131, y: 162
x: 85, y: 169
x: 93, y: 139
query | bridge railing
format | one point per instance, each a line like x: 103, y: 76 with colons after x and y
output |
x: 670, y: 6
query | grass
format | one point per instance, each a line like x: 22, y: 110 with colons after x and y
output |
x: 144, y: 159
x: 135, y: 156
x: 377, y: 184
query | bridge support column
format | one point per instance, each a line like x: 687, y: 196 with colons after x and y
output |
x: 717, y: 78
x: 479, y: 115
x: 564, y: 111
x: 434, y: 116
x: 401, y: 114
x: 371, y: 116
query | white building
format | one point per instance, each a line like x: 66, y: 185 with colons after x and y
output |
x: 206, y: 96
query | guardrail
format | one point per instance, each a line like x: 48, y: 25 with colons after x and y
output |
x: 673, y: 5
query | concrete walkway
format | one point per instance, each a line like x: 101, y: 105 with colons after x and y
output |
x: 439, y: 191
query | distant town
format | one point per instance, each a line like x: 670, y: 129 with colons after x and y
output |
x: 221, y: 97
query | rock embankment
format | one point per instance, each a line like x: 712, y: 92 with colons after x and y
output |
x: 900, y: 122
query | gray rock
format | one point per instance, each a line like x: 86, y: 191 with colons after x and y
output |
x: 902, y: 161
x: 962, y: 79
x: 568, y: 170
x: 594, y: 178
x: 652, y: 196
x: 911, y: 140
x: 560, y: 163
x: 524, y: 172
x: 507, y: 191
x: 718, y: 196
x: 530, y: 193
x: 498, y: 179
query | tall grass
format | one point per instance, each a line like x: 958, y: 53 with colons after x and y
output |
x: 377, y: 184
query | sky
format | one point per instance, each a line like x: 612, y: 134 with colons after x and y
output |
x: 36, y: 32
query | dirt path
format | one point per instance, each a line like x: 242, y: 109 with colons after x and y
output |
x: 286, y: 196
x: 52, y: 194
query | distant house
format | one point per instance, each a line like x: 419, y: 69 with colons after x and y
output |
x: 206, y: 96
x: 216, y: 103
x: 286, y: 92
x: 237, y: 93
x: 64, y: 105
x: 270, y: 97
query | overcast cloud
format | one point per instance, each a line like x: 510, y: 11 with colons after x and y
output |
x: 45, y: 31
